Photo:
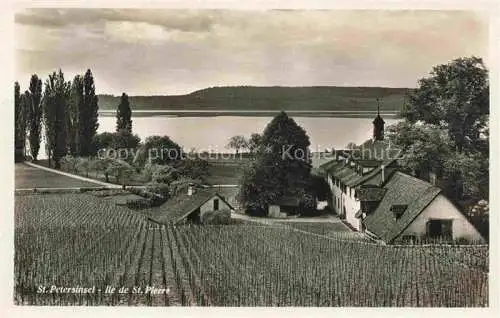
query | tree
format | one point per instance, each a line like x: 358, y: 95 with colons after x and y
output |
x: 424, y: 147
x: 88, y: 116
x: 446, y: 129
x: 237, y: 143
x: 196, y: 168
x: 103, y: 140
x: 121, y: 170
x: 124, y: 114
x: 158, y: 150
x: 350, y: 145
x: 18, y: 134
x: 75, y: 105
x: 164, y: 174
x: 124, y: 139
x: 254, y: 142
x: 102, y: 164
x: 55, y: 113
x: 25, y: 104
x: 34, y: 96
x: 456, y: 97
x: 281, y: 167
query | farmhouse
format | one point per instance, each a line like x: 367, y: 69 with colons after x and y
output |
x: 191, y: 206
x: 407, y: 208
x: 372, y: 196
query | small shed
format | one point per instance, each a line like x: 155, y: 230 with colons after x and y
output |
x: 283, y: 207
x: 191, y: 206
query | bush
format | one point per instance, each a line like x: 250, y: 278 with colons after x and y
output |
x: 219, y: 217
x: 181, y: 185
x: 120, y: 170
x: 148, y: 170
x: 162, y: 189
x: 194, y: 168
x: 148, y: 200
x: 69, y: 163
x: 164, y: 174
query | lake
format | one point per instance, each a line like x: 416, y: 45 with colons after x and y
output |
x: 213, y: 133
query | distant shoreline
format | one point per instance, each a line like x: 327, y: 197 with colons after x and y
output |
x: 254, y: 113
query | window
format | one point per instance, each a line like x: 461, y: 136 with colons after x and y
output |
x: 216, y: 204
x: 439, y: 228
x: 398, y: 210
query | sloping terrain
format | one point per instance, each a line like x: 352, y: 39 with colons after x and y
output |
x: 319, y: 98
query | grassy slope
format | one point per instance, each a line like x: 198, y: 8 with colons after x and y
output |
x: 269, y: 98
x: 29, y: 177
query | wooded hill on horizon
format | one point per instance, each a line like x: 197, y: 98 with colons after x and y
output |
x: 269, y: 98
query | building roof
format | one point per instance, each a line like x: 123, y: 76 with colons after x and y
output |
x: 401, y: 189
x: 180, y: 206
x: 370, y: 193
x: 369, y: 163
x: 350, y: 177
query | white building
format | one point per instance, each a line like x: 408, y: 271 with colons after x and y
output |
x: 371, y: 195
x: 368, y: 164
x: 412, y: 209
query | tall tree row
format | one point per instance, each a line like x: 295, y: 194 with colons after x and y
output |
x: 123, y: 115
x: 69, y: 111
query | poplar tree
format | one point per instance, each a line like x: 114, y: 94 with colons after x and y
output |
x: 124, y: 115
x: 34, y: 96
x: 55, y: 106
x: 75, y: 104
x: 88, y: 116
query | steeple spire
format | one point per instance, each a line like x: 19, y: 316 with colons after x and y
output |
x: 378, y: 125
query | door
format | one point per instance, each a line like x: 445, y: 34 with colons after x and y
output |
x: 440, y: 228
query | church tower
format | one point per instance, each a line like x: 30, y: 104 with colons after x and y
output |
x: 378, y: 125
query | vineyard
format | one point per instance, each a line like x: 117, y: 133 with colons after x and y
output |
x: 71, y: 240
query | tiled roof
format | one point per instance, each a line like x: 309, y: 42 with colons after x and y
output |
x: 370, y: 193
x: 178, y: 207
x: 401, y: 189
x: 370, y: 163
x: 369, y: 154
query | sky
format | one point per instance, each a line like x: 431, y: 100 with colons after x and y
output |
x: 169, y: 52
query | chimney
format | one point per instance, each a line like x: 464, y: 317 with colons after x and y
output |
x: 383, y: 173
x: 190, y: 189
